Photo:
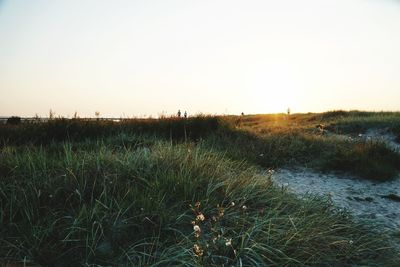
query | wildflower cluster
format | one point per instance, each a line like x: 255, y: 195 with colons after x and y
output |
x: 199, y: 218
x: 214, y: 233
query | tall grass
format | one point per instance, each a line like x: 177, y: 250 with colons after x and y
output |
x: 266, y: 140
x: 61, y: 129
x: 276, y: 140
x: 370, y: 160
x: 158, y: 204
x: 360, y: 124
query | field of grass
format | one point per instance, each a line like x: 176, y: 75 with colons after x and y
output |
x: 182, y: 192
x: 268, y: 141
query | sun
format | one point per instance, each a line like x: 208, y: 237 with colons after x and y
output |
x: 275, y: 90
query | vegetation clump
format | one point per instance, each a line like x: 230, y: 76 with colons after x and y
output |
x: 14, y: 120
x: 371, y: 160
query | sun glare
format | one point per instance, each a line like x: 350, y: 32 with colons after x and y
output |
x: 276, y: 89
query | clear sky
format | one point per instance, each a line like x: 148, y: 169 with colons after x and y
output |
x: 126, y: 58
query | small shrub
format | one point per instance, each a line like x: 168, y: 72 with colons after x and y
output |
x: 14, y: 120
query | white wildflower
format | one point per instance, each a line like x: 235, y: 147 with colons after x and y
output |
x: 200, y: 217
x: 197, y: 228
x: 198, y: 250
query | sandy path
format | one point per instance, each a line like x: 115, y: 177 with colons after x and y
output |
x: 384, y: 136
x: 371, y: 202
x: 365, y: 199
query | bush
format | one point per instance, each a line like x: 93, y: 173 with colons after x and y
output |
x: 14, y: 120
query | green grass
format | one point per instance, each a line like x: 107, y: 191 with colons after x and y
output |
x: 76, y: 129
x: 360, y: 123
x: 132, y: 200
x: 369, y: 160
x: 274, y: 140
x: 269, y: 141
x: 129, y: 193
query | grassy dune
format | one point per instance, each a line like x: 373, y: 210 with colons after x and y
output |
x: 297, y: 140
x: 178, y: 192
x: 111, y: 205
x: 266, y: 140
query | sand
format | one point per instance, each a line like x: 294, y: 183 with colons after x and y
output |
x: 376, y: 203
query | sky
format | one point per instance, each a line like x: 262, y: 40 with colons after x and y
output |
x: 148, y: 58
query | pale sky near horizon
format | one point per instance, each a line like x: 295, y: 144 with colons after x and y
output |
x: 136, y: 58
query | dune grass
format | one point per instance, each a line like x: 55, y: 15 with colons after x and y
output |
x: 275, y: 140
x: 360, y: 123
x: 269, y: 141
x: 132, y: 200
x: 368, y: 160
x: 183, y: 192
x: 62, y: 129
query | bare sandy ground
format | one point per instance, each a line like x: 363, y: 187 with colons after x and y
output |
x: 384, y: 136
x: 376, y: 203
x: 367, y: 200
